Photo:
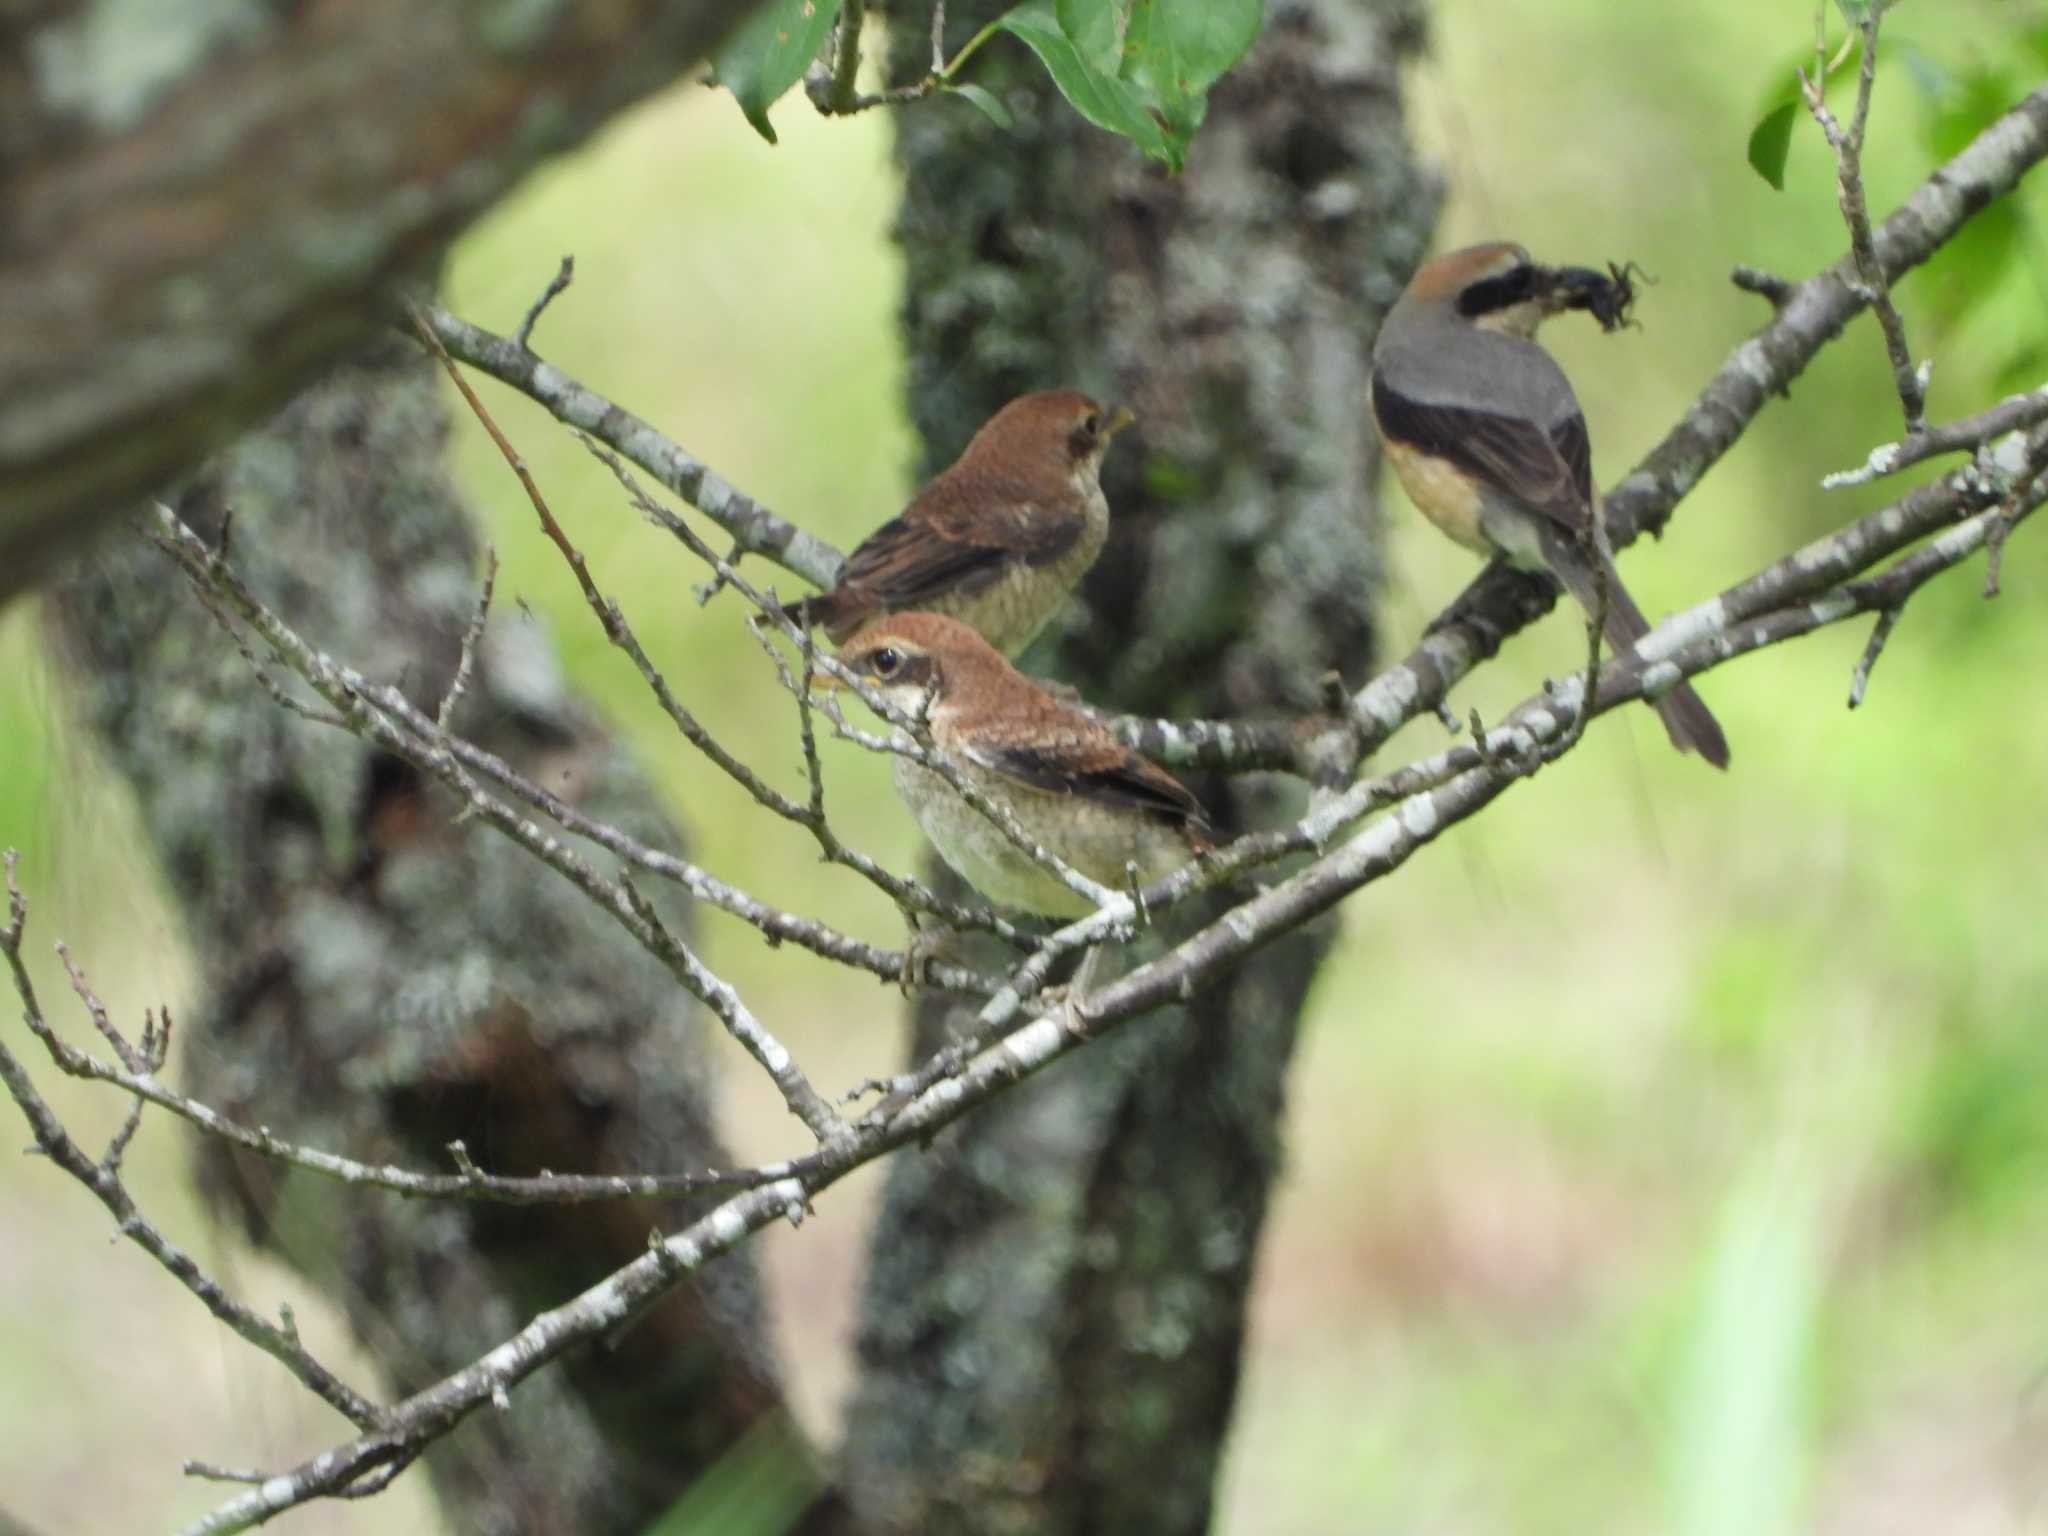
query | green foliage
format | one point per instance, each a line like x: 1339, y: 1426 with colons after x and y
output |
x: 1771, y: 141
x: 1105, y: 100
x: 987, y: 102
x: 770, y: 52
x: 1140, y: 68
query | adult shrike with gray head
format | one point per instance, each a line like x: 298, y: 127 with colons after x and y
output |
x: 1487, y: 437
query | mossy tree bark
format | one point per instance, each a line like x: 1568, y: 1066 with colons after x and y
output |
x: 203, y: 205
x: 377, y: 975
x: 1055, y: 1311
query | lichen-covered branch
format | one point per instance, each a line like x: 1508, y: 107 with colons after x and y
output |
x: 194, y: 232
x: 102, y: 1179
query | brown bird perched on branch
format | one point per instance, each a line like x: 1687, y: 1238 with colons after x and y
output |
x: 1072, y: 788
x: 1486, y: 435
x: 999, y: 538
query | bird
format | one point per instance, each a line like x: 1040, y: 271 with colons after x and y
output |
x: 1071, y: 786
x: 1485, y: 434
x: 999, y: 538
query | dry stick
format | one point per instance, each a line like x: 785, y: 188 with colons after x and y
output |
x: 1513, y: 750
x: 2014, y: 413
x: 774, y: 924
x: 755, y: 527
x: 470, y: 1183
x: 564, y: 275
x: 1880, y: 632
x: 347, y: 694
x: 1848, y: 147
x: 416, y: 736
x: 471, y: 636
x: 103, y: 1180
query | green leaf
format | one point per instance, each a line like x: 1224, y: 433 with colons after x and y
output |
x: 1189, y: 44
x: 1771, y: 141
x: 991, y: 104
x: 1096, y: 28
x: 1104, y: 100
x: 770, y: 52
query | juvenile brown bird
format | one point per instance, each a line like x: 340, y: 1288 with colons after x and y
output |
x: 1073, y: 788
x: 1485, y: 433
x: 999, y: 538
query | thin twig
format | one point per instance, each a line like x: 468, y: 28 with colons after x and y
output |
x: 563, y: 277
x: 104, y: 1182
x: 1848, y: 147
x: 841, y: 93
x: 2012, y: 414
x: 348, y: 696
x: 466, y: 663
x: 1880, y: 632
x: 1765, y: 284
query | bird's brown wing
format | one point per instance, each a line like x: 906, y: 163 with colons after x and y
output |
x: 958, y: 535
x: 1103, y: 769
x: 1548, y: 469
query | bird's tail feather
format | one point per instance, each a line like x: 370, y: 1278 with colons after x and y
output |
x: 1687, y: 720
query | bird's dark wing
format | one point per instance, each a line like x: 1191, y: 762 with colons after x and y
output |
x: 1100, y: 768
x: 1549, y: 469
x: 959, y: 534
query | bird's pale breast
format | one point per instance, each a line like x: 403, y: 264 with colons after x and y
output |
x: 1096, y: 839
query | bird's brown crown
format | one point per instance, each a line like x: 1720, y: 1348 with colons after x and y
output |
x: 1444, y: 277
x: 929, y: 652
x: 1053, y: 429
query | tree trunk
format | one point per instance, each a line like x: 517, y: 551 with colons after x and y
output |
x: 380, y: 977
x: 1054, y: 1314
x: 202, y: 205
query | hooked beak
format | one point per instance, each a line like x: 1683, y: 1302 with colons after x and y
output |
x: 1116, y: 421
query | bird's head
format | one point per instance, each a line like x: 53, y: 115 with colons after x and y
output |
x: 1499, y: 287
x: 1057, y: 431
x: 918, y: 661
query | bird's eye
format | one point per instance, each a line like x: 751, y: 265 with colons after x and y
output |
x: 887, y: 660
x: 1092, y: 424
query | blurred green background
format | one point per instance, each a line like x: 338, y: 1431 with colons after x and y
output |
x: 1667, y: 1149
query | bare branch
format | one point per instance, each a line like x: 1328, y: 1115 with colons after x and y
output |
x: 1880, y: 632
x: 1876, y: 289
x: 103, y: 1180
x: 350, y: 696
x: 2012, y: 414
x: 564, y: 276
x: 757, y: 529
x: 466, y: 663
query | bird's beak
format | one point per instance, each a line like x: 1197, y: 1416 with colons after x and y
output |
x: 825, y: 682
x: 1572, y: 287
x: 1116, y: 421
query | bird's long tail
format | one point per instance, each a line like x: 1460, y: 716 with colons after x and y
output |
x: 1687, y: 720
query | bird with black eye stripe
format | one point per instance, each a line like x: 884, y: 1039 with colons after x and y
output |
x: 1487, y: 437
x: 998, y: 538
x: 1071, y: 786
